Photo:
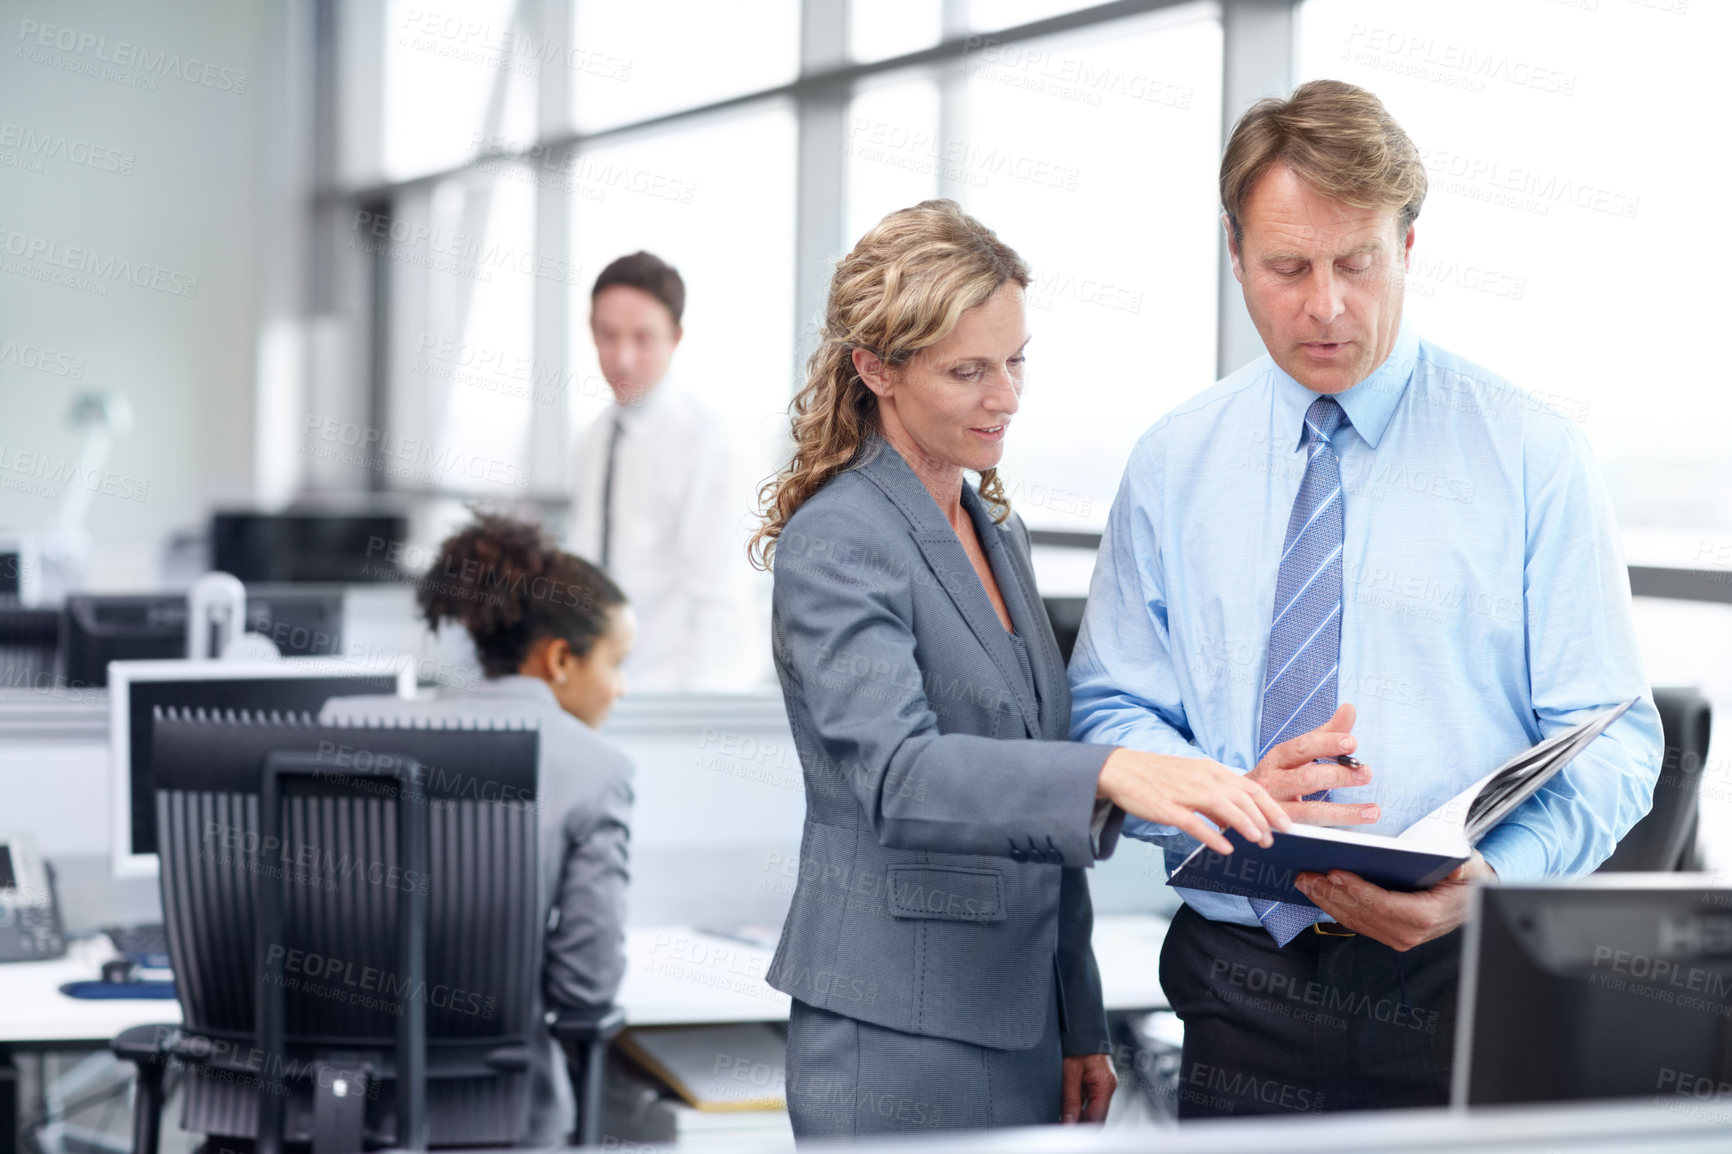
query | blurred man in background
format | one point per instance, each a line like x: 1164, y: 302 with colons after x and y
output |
x: 653, y: 503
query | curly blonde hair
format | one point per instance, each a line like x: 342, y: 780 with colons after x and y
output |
x: 903, y: 288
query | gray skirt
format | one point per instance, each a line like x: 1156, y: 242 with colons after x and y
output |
x: 848, y: 1078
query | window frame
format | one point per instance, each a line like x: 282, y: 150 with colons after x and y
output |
x: 1258, y: 60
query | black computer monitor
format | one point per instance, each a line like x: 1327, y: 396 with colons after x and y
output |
x: 29, y: 640
x: 97, y: 629
x: 12, y: 569
x: 1612, y: 986
x: 301, y: 621
x: 138, y: 689
x: 337, y: 548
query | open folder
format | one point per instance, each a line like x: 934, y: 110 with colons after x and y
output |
x: 1419, y: 857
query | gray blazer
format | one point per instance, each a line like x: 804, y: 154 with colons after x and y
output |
x: 584, y: 799
x: 948, y: 821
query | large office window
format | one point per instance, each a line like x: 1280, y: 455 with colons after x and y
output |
x: 894, y: 150
x: 893, y: 27
x: 454, y: 77
x: 715, y: 198
x: 1559, y: 245
x: 462, y: 399
x: 648, y: 58
x: 1093, y: 154
x: 517, y: 125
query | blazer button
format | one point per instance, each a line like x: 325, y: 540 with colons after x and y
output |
x: 1017, y: 854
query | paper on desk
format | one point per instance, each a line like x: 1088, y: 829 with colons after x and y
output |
x: 738, y: 1066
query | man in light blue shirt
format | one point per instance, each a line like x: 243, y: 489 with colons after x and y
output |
x: 1359, y: 543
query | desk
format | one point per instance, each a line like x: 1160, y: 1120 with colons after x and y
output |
x: 677, y: 975
x: 1634, y: 1127
x: 674, y: 975
x: 37, y: 1015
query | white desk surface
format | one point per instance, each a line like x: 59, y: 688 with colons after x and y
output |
x: 32, y: 1008
x: 679, y: 975
x: 674, y: 975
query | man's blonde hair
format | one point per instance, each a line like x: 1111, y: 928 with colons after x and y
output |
x: 1338, y: 139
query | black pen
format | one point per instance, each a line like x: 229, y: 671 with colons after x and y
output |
x: 1349, y: 762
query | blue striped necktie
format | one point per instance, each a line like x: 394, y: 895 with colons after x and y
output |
x: 1305, y: 632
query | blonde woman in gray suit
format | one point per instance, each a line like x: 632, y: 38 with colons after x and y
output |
x: 550, y: 631
x: 937, y: 949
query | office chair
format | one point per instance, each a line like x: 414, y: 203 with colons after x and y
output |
x: 387, y: 995
x: 1065, y: 614
x: 1665, y: 839
x: 585, y: 1036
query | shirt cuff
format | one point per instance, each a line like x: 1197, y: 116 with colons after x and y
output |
x: 1515, y: 852
x: 1149, y: 831
x: 1104, y: 828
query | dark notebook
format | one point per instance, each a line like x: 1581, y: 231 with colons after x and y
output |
x: 1419, y: 857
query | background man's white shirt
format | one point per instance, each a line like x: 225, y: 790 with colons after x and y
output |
x: 677, y: 546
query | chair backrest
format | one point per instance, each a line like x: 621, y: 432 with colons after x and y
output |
x: 1665, y: 840
x: 341, y: 876
x: 1065, y: 614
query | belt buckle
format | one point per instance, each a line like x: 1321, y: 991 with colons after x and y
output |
x: 1322, y: 928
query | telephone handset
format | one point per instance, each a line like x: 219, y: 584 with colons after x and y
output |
x: 30, y: 928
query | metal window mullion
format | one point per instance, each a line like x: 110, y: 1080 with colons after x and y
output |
x: 351, y: 281
x: 1257, y: 60
x: 550, y: 407
x: 821, y: 172
x: 952, y: 95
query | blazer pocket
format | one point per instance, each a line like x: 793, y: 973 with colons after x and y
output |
x: 946, y: 894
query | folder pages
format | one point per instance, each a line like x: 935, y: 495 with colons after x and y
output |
x: 1418, y: 858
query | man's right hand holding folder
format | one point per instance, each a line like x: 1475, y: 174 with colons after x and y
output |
x: 1311, y: 763
x: 1321, y: 760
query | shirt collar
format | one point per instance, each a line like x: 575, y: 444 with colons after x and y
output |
x: 660, y: 396
x: 1369, y: 404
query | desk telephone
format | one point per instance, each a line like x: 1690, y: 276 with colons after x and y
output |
x: 30, y: 928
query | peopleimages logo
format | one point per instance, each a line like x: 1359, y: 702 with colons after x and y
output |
x: 86, y: 267
x: 354, y: 444
x: 37, y: 474
x: 39, y: 358
x: 45, y: 145
x: 124, y: 54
